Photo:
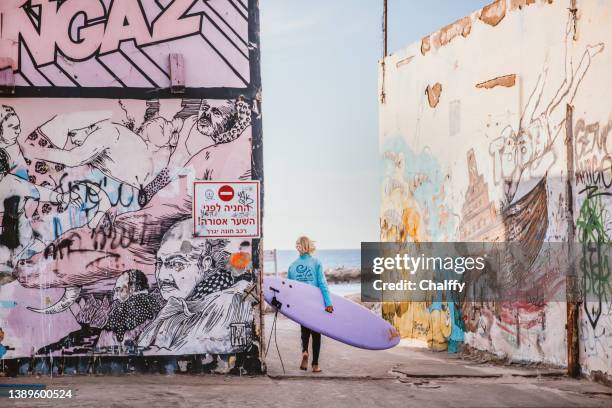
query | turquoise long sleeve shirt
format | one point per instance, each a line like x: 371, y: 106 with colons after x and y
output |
x: 309, y: 270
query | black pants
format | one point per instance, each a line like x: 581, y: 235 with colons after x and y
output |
x: 316, y: 343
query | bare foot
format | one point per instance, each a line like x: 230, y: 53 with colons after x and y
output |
x: 304, y: 365
x: 316, y: 369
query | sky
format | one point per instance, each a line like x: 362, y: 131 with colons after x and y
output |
x: 319, y: 63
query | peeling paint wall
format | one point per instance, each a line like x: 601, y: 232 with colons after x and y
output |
x: 98, y: 158
x: 473, y: 142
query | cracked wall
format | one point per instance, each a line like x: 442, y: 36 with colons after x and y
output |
x: 490, y: 141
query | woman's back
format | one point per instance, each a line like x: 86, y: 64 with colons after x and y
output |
x: 303, y: 269
x: 308, y: 269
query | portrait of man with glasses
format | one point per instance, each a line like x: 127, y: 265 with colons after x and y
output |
x: 202, y: 296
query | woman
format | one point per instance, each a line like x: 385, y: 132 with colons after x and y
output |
x: 19, y: 196
x: 308, y: 269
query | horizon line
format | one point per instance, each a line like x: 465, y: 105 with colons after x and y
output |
x: 318, y: 249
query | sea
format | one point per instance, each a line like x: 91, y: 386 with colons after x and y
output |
x: 330, y: 258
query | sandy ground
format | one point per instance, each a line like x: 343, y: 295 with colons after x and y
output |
x: 401, y: 377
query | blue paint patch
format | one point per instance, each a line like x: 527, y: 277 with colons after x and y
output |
x: 425, y: 164
x: 57, y: 227
x: 7, y: 304
x: 22, y: 173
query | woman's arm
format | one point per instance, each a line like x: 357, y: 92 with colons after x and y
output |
x: 47, y: 195
x: 181, y: 154
x: 96, y: 143
x: 78, y: 156
x: 322, y: 284
x: 58, y: 127
x: 291, y: 272
x: 53, y: 197
x: 14, y: 185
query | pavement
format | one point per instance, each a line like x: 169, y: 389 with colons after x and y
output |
x: 338, y: 360
x: 404, y: 376
x: 431, y: 378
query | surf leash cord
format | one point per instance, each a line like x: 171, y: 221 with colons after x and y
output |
x: 277, y: 305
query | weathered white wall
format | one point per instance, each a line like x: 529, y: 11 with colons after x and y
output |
x: 459, y: 157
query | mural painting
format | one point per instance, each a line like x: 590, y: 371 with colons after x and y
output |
x: 97, y: 237
x: 117, y: 107
x: 496, y: 142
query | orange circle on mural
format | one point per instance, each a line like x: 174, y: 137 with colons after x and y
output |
x: 240, y: 260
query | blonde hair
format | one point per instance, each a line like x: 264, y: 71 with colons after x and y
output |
x: 305, y: 245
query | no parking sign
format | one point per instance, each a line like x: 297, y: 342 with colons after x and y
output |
x: 226, y: 209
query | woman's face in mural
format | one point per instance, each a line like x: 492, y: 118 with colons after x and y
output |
x: 510, y: 152
x: 11, y: 129
x: 524, y: 145
x: 177, y: 269
x: 79, y: 136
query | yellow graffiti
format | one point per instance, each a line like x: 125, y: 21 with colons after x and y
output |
x: 413, y: 320
x: 410, y: 222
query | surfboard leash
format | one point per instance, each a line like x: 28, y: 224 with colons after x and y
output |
x: 275, y: 342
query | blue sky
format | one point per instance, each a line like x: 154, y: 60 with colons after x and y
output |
x: 320, y: 111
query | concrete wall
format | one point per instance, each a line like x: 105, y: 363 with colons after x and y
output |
x: 472, y: 137
x: 98, y: 159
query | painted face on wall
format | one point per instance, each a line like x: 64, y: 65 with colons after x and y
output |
x: 11, y: 129
x: 510, y: 151
x: 214, y: 120
x: 179, y: 268
x: 536, y: 143
x: 122, y: 292
x: 79, y: 136
x: 523, y: 147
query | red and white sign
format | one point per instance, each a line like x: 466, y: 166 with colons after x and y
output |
x: 226, y: 193
x: 226, y: 209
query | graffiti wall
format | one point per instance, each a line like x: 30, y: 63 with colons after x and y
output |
x: 97, y: 248
x: 123, y: 44
x: 473, y: 130
x: 593, y: 232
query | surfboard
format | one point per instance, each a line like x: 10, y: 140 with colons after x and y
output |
x: 350, y: 323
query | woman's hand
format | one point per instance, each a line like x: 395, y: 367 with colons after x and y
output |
x: 329, y: 309
x: 71, y: 198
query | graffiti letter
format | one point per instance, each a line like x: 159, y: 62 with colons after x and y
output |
x: 16, y: 24
x: 79, y: 41
x: 125, y: 22
x: 171, y: 25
